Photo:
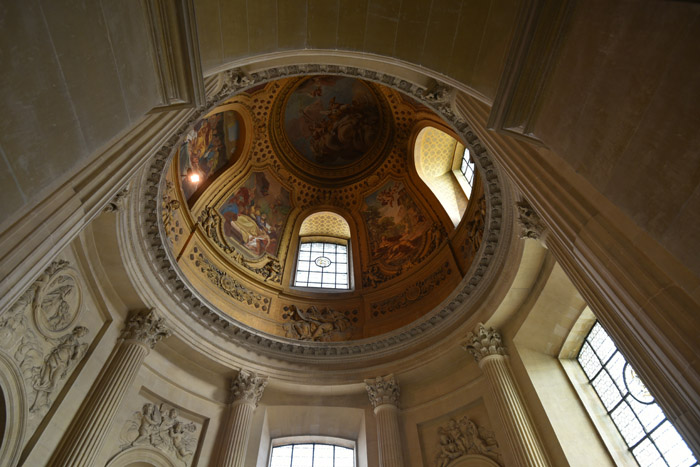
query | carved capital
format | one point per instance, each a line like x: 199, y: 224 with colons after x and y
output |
x: 145, y: 327
x: 484, y: 342
x: 117, y: 202
x: 383, y: 390
x: 248, y: 387
x: 531, y: 226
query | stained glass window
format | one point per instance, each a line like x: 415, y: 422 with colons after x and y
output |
x: 323, y: 265
x: 651, y: 438
x: 468, y: 170
x: 312, y: 455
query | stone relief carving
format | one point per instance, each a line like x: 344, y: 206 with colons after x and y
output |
x: 484, y: 342
x: 210, y: 221
x: 56, y: 299
x: 229, y: 285
x: 324, y: 325
x: 267, y: 345
x: 146, y: 327
x: 117, y: 202
x: 475, y: 230
x: 248, y: 387
x: 383, y: 390
x: 160, y: 426
x: 461, y: 437
x: 413, y: 293
x: 168, y: 208
x: 34, y: 331
x: 531, y: 226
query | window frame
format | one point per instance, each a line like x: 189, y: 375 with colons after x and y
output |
x: 309, y: 439
x: 323, y: 239
x: 601, y: 416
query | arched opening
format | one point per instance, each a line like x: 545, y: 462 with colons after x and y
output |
x: 323, y: 259
x: 441, y: 165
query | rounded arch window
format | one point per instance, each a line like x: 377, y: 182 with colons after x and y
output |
x: 323, y: 259
x: 445, y: 165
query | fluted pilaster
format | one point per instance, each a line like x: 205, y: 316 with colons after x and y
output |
x: 246, y: 391
x: 384, y: 396
x: 486, y: 347
x: 84, y: 438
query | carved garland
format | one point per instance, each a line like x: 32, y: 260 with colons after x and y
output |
x: 267, y: 344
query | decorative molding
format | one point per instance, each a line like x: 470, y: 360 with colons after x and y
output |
x: 248, y: 387
x: 531, y: 225
x: 383, y: 390
x: 160, y: 426
x: 324, y: 325
x: 175, y: 47
x: 484, y: 342
x: 145, y: 327
x: 539, y: 31
x: 57, y: 299
x: 210, y: 221
x: 229, y: 285
x: 117, y: 202
x: 463, y: 437
x: 302, y: 350
x: 413, y: 293
x: 168, y: 207
x: 475, y: 230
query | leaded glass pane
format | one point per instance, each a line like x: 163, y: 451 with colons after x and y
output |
x: 652, y: 439
x: 281, y: 456
x: 324, y: 261
x: 303, y: 455
x: 627, y: 423
x: 606, y: 389
x: 588, y: 360
x: 671, y: 445
x: 344, y: 457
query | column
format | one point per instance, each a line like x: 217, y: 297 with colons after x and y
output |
x: 485, y: 346
x: 246, y: 391
x: 384, y: 395
x: 83, y: 440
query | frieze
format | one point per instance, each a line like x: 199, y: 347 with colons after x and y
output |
x: 36, y: 332
x: 312, y: 324
x: 461, y: 437
x: 210, y: 221
x: 302, y: 350
x: 413, y: 293
x: 475, y: 230
x: 168, y: 208
x: 229, y: 285
x: 162, y: 427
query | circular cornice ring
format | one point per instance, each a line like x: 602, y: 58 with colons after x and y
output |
x: 442, y: 317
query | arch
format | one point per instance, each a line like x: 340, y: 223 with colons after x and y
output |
x: 145, y: 456
x: 435, y: 154
x: 14, y: 411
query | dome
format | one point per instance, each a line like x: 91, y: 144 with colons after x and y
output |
x: 288, y: 165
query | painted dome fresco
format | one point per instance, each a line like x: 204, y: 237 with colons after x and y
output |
x: 321, y: 209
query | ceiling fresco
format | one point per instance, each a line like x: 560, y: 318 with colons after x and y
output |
x: 331, y: 120
x: 283, y: 161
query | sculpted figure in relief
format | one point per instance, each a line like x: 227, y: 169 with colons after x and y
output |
x: 160, y: 427
x: 317, y: 325
x: 462, y: 437
x: 57, y: 364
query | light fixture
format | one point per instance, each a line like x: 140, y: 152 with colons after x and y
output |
x: 193, y: 176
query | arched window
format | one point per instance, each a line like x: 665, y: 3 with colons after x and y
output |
x: 312, y: 455
x: 441, y: 164
x: 323, y: 259
x: 649, y: 435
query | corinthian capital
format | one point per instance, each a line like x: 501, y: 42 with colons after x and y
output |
x: 484, y: 342
x: 248, y: 387
x: 383, y: 390
x: 145, y: 327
